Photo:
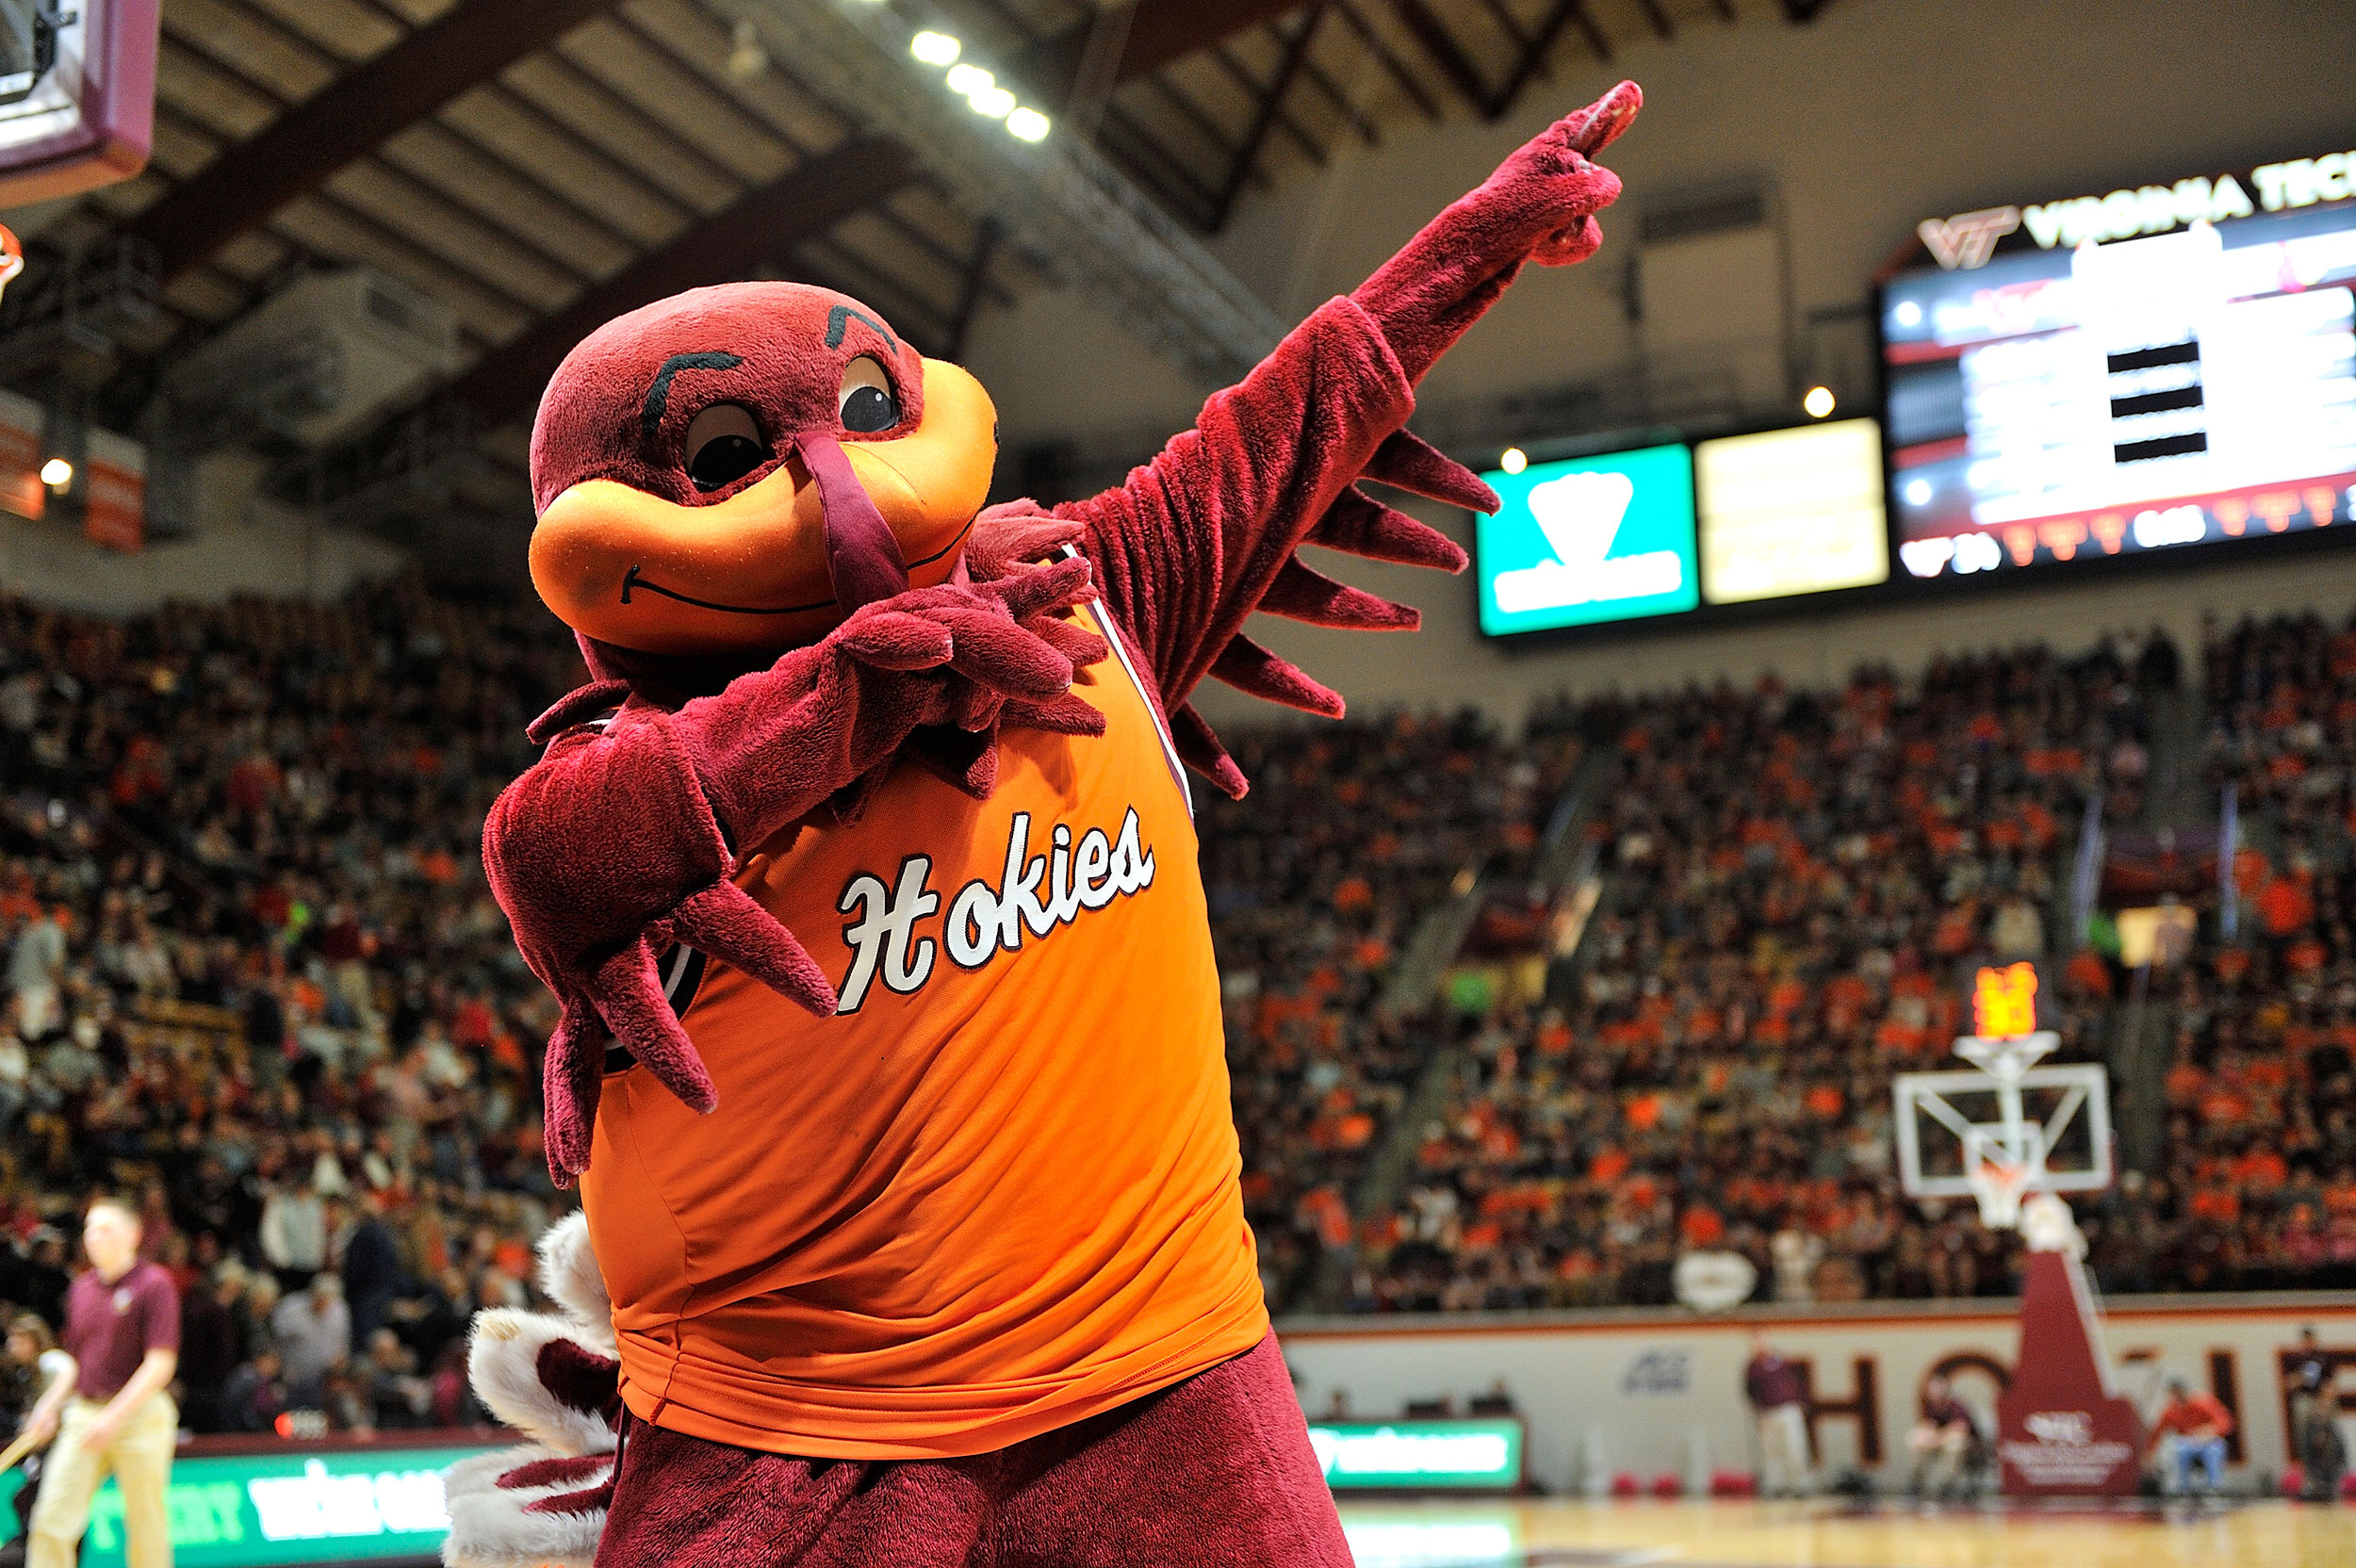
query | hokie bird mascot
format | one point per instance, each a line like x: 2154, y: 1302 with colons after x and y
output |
x: 890, y: 1062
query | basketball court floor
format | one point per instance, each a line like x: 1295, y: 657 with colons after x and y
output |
x: 1829, y: 1533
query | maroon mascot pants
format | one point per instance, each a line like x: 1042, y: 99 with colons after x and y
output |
x: 1215, y: 1472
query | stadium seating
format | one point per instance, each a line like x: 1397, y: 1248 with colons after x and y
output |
x: 256, y: 978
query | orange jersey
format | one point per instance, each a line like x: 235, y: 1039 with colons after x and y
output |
x: 996, y: 1193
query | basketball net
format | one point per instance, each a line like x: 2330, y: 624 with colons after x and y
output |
x: 2000, y: 1186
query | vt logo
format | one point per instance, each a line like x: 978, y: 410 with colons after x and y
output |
x: 1580, y: 515
x: 1969, y: 239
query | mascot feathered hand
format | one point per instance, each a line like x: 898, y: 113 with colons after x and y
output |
x: 760, y: 510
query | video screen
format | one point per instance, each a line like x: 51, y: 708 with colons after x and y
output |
x: 1587, y: 540
x: 2156, y: 369
x: 1789, y: 512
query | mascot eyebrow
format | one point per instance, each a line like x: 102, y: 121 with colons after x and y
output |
x: 840, y: 316
x: 659, y: 395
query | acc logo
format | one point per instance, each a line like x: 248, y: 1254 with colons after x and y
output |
x: 1657, y: 1372
x: 2064, y: 1428
x: 1969, y: 239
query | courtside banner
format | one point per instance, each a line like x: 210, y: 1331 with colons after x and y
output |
x: 355, y: 1505
x: 1415, y: 1456
x: 1652, y: 1392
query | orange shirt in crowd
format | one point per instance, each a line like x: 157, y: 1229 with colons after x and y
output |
x: 2285, y: 905
x: 997, y: 1193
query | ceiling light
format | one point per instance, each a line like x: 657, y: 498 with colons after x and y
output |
x: 746, y: 57
x: 1513, y: 459
x: 995, y: 101
x: 56, y: 473
x: 934, y: 48
x: 970, y: 78
x: 1027, y: 125
x: 1818, y: 403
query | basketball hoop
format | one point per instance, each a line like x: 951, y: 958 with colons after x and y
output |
x: 12, y: 258
x: 1999, y: 1188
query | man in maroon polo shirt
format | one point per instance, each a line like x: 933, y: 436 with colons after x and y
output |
x: 122, y: 1327
x: 1778, y: 1391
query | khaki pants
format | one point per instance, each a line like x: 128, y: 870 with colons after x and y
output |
x: 1783, y: 1468
x: 139, y: 1458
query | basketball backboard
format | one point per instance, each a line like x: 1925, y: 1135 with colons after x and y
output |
x: 78, y: 94
x: 2006, y: 1127
x: 1972, y: 1133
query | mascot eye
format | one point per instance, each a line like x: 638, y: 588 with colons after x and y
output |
x: 723, y: 446
x: 867, y: 404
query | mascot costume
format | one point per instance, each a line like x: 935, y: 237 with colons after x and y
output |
x: 891, y: 1063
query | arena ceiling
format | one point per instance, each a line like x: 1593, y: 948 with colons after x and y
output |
x: 542, y: 165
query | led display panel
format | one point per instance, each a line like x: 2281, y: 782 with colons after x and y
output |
x: 1789, y: 512
x: 2157, y: 368
x: 1587, y: 540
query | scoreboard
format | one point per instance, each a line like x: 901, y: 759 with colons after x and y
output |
x: 2164, y: 369
x: 2154, y: 370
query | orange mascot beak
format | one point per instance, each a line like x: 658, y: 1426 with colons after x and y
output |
x: 640, y: 552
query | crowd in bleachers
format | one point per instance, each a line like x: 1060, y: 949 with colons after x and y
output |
x: 256, y: 982
x: 1798, y: 889
x: 1315, y: 882
x: 2260, y: 1087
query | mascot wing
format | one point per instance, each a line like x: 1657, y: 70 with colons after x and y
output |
x: 1209, y: 531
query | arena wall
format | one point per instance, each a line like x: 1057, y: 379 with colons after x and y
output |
x: 277, y: 555
x: 1654, y: 1393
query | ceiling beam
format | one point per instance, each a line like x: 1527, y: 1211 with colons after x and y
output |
x: 295, y: 154
x: 764, y: 225
x: 1271, y: 108
x: 1391, y: 62
x: 1533, y: 55
x: 1445, y: 51
x: 767, y: 224
x: 1161, y: 33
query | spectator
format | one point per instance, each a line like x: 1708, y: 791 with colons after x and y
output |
x: 2159, y: 667
x: 20, y: 1383
x: 255, y: 1394
x: 210, y: 1345
x: 396, y: 1396
x: 36, y: 968
x: 1944, y: 1441
x: 313, y: 1331
x: 2310, y: 1377
x: 1796, y: 1255
x: 37, y: 1282
x: 371, y: 1270
x: 2200, y: 1426
x: 294, y: 1233
x: 1778, y: 1390
x: 28, y: 1339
